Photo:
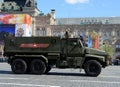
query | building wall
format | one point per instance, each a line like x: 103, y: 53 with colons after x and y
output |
x: 43, y: 24
x: 88, y: 20
x: 0, y: 5
x: 108, y: 32
x: 47, y: 25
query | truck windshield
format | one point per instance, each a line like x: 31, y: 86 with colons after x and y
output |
x: 75, y: 42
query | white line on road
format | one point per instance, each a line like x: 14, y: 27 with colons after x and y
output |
x: 27, y: 85
x: 13, y: 78
x: 87, y: 81
x: 110, y: 76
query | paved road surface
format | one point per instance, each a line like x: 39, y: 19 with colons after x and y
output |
x: 110, y: 77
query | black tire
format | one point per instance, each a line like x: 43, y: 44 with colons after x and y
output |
x: 116, y: 62
x: 19, y: 66
x: 47, y: 69
x: 37, y: 66
x: 92, y: 68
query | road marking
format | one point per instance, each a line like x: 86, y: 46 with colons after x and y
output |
x: 111, y: 76
x: 27, y: 85
x: 13, y: 78
x: 87, y: 81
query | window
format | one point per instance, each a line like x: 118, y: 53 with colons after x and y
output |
x: 3, y: 4
x: 108, y: 34
x: 38, y: 32
x: 72, y: 42
x: 43, y: 32
x: 117, y: 48
x: 118, y: 33
x: 105, y: 34
x: 59, y: 23
x: 81, y: 22
x: 10, y: 4
x: 107, y: 22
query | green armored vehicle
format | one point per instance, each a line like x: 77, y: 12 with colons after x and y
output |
x: 39, y: 54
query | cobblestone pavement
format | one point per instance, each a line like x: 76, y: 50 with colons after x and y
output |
x: 109, y: 77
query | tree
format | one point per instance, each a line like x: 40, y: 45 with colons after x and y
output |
x: 109, y: 49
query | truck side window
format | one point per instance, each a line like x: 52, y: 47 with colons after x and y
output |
x: 72, y: 42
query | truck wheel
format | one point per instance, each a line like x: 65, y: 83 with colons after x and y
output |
x: 116, y: 62
x: 19, y: 66
x: 92, y: 68
x: 37, y: 66
x: 47, y: 69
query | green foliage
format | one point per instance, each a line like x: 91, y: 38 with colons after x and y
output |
x: 108, y: 48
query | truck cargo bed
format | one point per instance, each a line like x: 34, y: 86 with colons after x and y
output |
x: 34, y: 45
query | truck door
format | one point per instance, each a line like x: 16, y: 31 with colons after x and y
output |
x: 74, y: 48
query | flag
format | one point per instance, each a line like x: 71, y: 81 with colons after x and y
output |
x: 97, y: 42
x: 89, y: 41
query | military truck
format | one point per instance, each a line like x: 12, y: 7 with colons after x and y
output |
x: 37, y: 55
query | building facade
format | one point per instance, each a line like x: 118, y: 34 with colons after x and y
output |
x: 47, y: 25
x: 88, y: 20
x: 18, y: 6
x: 107, y: 27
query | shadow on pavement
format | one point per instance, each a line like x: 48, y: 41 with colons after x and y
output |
x: 66, y: 74
x: 6, y: 72
x: 50, y: 73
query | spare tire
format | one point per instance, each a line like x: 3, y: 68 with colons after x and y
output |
x: 92, y: 68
